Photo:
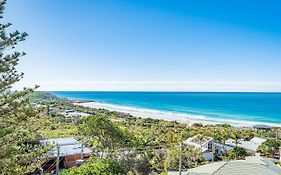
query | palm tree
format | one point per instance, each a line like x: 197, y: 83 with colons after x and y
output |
x: 247, y: 134
x: 236, y: 135
x: 222, y: 137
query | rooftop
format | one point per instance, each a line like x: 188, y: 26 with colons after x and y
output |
x: 194, y: 142
x: 72, y: 113
x: 262, y: 127
x: 67, y: 147
x: 60, y: 141
x: 254, y: 165
x: 251, y: 145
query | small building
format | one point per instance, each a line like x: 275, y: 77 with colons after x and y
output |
x: 36, y: 105
x: 253, y: 165
x: 69, y: 111
x: 72, y: 113
x: 204, y: 144
x: 262, y: 127
x: 250, y: 145
x: 224, y: 148
x: 70, y: 151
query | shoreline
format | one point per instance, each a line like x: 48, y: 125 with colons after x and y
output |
x: 172, y: 116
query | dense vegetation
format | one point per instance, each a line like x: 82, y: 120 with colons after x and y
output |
x: 98, y: 167
x: 19, y: 146
x: 143, y: 145
x: 122, y: 144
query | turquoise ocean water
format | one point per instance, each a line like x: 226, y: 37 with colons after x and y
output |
x: 250, y: 107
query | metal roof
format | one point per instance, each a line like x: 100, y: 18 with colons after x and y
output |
x: 67, y: 147
x: 60, y: 141
x: 254, y: 165
x: 69, y: 150
x: 262, y: 127
x: 251, y: 145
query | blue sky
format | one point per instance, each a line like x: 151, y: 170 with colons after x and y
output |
x: 165, y: 45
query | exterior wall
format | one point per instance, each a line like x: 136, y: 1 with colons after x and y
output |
x: 70, y: 161
x: 209, y: 155
x: 218, y: 151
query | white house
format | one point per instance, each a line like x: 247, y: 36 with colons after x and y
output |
x: 250, y: 145
x: 72, y: 113
x: 205, y: 145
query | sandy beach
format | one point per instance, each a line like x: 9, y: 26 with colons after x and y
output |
x: 172, y: 116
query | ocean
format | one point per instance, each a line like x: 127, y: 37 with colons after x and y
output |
x: 223, y: 107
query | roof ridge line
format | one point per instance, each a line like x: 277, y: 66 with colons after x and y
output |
x: 220, y: 167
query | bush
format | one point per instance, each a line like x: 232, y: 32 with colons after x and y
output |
x: 97, y: 167
x: 237, y: 153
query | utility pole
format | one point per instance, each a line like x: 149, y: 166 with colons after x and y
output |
x: 279, y: 154
x: 41, y: 171
x: 213, y: 146
x: 39, y: 166
x: 180, y: 159
x: 82, y: 150
x: 58, y: 160
x: 276, y: 134
x: 48, y: 110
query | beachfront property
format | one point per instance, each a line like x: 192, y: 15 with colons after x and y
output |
x: 262, y: 127
x: 249, y: 145
x: 204, y: 144
x: 252, y: 165
x: 72, y: 113
x: 69, y: 151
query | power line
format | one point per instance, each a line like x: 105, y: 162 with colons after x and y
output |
x: 42, y: 165
x: 53, y: 165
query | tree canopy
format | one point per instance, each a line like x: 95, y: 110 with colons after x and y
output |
x: 98, y: 167
x: 18, y: 142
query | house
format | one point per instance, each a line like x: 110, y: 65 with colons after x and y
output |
x: 262, y: 127
x: 70, y: 151
x: 250, y: 145
x: 253, y: 165
x: 36, y: 105
x: 72, y: 113
x: 224, y: 148
x: 69, y: 111
x: 205, y: 145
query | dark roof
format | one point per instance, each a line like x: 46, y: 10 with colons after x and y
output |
x: 262, y: 127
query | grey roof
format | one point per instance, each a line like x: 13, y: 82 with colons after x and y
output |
x: 70, y: 110
x: 254, y: 165
x: 251, y: 145
x: 67, y: 147
x: 176, y: 172
x: 60, y: 141
x: 262, y: 127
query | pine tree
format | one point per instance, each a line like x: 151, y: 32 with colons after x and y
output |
x: 18, y: 144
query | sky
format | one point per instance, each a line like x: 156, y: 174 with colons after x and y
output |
x: 149, y: 45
